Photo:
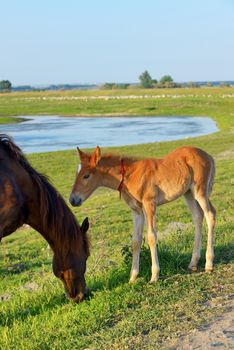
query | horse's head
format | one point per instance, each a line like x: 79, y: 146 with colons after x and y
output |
x: 71, y: 267
x: 87, y: 177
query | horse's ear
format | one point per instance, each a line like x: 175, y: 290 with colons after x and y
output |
x: 95, y: 157
x: 81, y: 154
x: 85, y: 226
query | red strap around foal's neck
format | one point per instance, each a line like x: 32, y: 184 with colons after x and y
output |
x: 122, y: 172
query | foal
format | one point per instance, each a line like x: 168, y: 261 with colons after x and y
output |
x: 145, y: 184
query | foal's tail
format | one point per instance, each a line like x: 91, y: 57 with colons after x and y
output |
x: 211, y: 175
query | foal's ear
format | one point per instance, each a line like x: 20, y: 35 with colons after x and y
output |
x: 85, y: 226
x: 81, y: 154
x: 95, y: 157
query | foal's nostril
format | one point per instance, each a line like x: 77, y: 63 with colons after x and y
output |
x: 78, y: 201
x: 72, y: 201
x: 75, y: 201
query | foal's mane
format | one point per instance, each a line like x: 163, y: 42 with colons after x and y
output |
x: 56, y: 216
x: 110, y: 159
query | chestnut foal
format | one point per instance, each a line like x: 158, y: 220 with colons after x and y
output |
x: 145, y: 184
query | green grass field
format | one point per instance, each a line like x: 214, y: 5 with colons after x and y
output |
x: 34, y: 311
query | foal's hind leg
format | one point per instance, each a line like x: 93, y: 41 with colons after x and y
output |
x: 210, y: 215
x: 138, y: 221
x: 149, y: 211
x: 197, y: 215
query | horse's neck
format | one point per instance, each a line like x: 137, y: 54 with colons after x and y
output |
x: 35, y: 219
x: 112, y: 175
x: 36, y: 222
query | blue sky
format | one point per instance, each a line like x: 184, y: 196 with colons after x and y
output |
x: 73, y: 41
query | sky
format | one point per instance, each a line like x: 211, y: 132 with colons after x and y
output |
x: 73, y: 41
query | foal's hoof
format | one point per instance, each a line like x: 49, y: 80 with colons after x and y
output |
x: 192, y: 269
x: 153, y: 280
x: 208, y: 269
x: 132, y: 280
x: 133, y: 276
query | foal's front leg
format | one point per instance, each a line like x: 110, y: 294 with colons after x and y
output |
x: 149, y: 211
x: 138, y: 221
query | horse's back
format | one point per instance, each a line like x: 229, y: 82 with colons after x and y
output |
x: 201, y: 165
x: 194, y: 157
x: 184, y: 169
x: 189, y: 152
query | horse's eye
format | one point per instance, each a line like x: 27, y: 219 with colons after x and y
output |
x: 86, y: 176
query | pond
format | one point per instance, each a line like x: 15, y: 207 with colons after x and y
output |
x: 53, y: 133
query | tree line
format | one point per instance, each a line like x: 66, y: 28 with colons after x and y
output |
x: 166, y: 81
x: 146, y: 82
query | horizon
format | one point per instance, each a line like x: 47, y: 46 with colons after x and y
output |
x: 130, y: 83
x: 94, y: 43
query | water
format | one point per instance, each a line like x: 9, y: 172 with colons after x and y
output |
x: 53, y: 133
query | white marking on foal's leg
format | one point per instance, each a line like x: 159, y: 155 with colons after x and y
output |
x: 210, y: 243
x: 149, y: 211
x: 152, y: 241
x: 138, y: 220
x: 209, y: 213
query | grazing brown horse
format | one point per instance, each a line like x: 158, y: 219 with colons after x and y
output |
x: 145, y: 184
x: 26, y: 196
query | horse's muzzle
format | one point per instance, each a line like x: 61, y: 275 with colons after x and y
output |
x: 81, y: 296
x: 75, y: 201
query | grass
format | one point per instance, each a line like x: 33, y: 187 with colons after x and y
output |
x: 119, y: 315
x: 10, y: 120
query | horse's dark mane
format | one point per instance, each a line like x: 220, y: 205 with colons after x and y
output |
x: 56, y: 216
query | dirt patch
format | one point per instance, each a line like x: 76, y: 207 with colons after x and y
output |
x: 217, y: 335
x: 228, y: 154
x: 30, y: 286
x: 173, y: 227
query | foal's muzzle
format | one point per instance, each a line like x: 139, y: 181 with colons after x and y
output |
x: 75, y: 201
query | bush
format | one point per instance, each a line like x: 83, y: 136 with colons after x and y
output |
x: 5, y: 86
x: 166, y: 79
x: 108, y: 86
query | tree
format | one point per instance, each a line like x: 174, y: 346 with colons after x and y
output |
x: 166, y: 79
x: 146, y: 80
x: 224, y: 84
x: 5, y: 86
x: 108, y: 86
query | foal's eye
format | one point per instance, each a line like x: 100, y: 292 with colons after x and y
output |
x: 86, y: 176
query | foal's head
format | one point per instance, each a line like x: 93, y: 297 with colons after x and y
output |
x: 70, y: 268
x: 87, y: 177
